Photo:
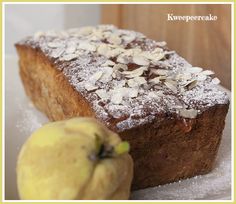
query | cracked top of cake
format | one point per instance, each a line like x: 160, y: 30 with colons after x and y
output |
x: 128, y: 79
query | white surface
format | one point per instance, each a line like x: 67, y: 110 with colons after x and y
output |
x: 22, y: 118
x: 24, y: 19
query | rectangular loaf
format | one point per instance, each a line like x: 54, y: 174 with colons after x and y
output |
x: 172, y: 113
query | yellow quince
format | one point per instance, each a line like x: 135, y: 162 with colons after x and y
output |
x: 74, y: 159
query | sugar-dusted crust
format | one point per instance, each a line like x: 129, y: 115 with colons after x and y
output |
x: 174, y: 125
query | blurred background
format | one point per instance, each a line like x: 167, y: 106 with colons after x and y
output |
x: 203, y: 43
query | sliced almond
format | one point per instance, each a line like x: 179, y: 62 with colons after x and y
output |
x: 161, y: 72
x: 87, y: 46
x: 162, y: 78
x: 133, y: 93
x: 122, y: 59
x: 135, y: 73
x: 57, y: 52
x: 90, y: 87
x: 136, y: 82
x: 102, y: 94
x: 191, y: 84
x: 106, y: 34
x: 148, y: 55
x: 201, y: 77
x: 96, y: 76
x: 155, y: 80
x: 188, y: 113
x: 129, y: 52
x: 169, y: 52
x: 114, y: 39
x: 116, y: 74
x: 68, y: 57
x: 159, y: 56
x: 98, y: 35
x: 55, y: 44
x: 117, y: 98
x: 115, y: 52
x: 120, y: 67
x: 155, y: 94
x: 161, y: 44
x: 108, y: 63
x: 183, y: 76
x: 121, y: 83
x: 157, y: 50
x: 215, y: 81
x: 70, y: 49
x: 107, y: 74
x: 194, y: 70
x: 129, y: 38
x: 140, y: 80
x: 171, y: 86
x: 136, y: 51
x: 103, y: 49
x: 140, y: 60
x: 208, y: 72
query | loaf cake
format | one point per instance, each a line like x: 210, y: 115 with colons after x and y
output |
x: 171, y: 112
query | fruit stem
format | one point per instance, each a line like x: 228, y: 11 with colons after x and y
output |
x: 108, y: 151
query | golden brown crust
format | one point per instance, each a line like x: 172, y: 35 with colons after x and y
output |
x: 47, y: 87
x: 163, y: 151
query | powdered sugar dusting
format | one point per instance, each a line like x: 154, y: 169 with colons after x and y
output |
x: 215, y: 185
x: 130, y: 97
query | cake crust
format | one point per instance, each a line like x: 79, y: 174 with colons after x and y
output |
x: 166, y: 144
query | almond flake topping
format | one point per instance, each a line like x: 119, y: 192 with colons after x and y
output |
x: 120, y: 67
x: 71, y: 48
x: 87, y: 46
x: 123, y: 73
x: 108, y: 63
x: 194, y: 70
x: 57, y: 52
x: 171, y: 85
x: 114, y: 39
x: 140, y: 60
x: 122, y: 59
x: 215, y: 81
x: 107, y: 74
x: 90, y: 87
x: 155, y: 80
x: 191, y: 84
x: 161, y: 72
x: 208, y: 72
x: 103, y: 49
x: 136, y: 82
x: 68, y: 57
x: 55, y: 44
x: 135, y: 73
x: 155, y: 94
x: 102, y: 94
x: 96, y: 76
x: 129, y: 38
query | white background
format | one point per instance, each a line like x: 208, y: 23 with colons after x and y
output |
x: 23, y: 20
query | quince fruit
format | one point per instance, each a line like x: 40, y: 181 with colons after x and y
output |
x: 74, y: 159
